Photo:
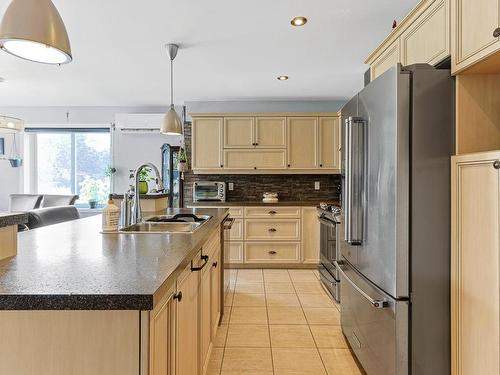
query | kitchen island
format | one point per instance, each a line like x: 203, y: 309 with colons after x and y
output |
x: 8, y: 232
x: 76, y: 301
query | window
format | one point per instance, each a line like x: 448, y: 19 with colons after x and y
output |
x: 71, y: 161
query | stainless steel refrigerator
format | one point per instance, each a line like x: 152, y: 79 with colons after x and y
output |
x: 397, y: 139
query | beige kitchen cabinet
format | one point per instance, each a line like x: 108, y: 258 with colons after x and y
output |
x: 427, y: 39
x: 270, y: 132
x: 388, y: 58
x: 215, y: 287
x: 310, y: 235
x: 162, y: 337
x: 302, y: 142
x: 236, y: 233
x: 207, y: 143
x: 475, y: 34
x: 329, y: 143
x: 272, y: 252
x: 236, y: 252
x: 272, y: 229
x: 188, y: 332
x: 262, y: 159
x: 272, y: 212
x: 239, y: 132
x: 475, y: 264
x: 205, y: 315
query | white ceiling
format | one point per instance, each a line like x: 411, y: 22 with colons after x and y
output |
x: 230, y: 50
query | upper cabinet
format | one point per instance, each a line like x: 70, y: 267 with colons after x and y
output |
x: 207, y: 143
x: 284, y: 143
x: 329, y: 142
x: 423, y: 36
x: 302, y: 142
x: 476, y: 35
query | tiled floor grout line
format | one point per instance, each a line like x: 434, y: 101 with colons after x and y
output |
x: 268, y: 322
x: 309, y: 326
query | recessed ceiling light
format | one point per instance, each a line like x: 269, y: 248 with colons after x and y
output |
x: 282, y: 78
x: 298, y: 21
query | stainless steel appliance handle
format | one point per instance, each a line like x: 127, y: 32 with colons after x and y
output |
x: 354, y: 179
x: 378, y: 303
x: 327, y: 222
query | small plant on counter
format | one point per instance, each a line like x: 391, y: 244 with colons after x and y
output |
x: 144, y: 178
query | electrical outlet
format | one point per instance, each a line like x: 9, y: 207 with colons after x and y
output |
x: 230, y: 186
x: 316, y: 185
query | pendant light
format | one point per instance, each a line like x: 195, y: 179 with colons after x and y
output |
x: 171, y: 124
x: 33, y: 30
x: 11, y: 124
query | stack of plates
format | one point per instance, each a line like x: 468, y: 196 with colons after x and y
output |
x: 270, y: 197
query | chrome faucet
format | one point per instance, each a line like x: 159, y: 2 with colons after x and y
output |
x: 136, y: 205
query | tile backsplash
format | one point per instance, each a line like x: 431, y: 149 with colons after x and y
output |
x: 250, y: 187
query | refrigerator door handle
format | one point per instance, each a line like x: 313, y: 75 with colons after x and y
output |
x: 377, y: 303
x: 355, y: 169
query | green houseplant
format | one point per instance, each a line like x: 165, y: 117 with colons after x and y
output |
x: 89, y: 190
x: 183, y: 163
x: 144, y: 178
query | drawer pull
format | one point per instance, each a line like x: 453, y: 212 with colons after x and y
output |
x: 205, y: 259
x: 272, y: 230
x: 214, y: 265
x: 496, y: 32
x: 272, y: 212
x: 178, y: 296
x: 272, y: 252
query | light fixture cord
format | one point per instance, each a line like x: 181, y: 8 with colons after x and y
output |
x: 171, y: 82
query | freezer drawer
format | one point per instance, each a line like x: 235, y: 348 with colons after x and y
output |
x: 375, y: 325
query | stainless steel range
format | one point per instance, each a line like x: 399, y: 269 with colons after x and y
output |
x: 329, y: 216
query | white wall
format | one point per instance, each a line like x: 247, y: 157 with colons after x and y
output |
x: 10, y: 178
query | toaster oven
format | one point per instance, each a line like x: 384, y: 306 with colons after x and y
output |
x: 209, y: 191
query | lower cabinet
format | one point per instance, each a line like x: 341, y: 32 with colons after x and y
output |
x: 475, y: 264
x: 183, y: 326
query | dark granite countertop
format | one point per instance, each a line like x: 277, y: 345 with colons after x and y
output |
x: 72, y: 266
x: 12, y: 218
x: 259, y: 203
x: 145, y: 196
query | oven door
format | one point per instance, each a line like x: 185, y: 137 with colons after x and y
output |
x: 206, y: 191
x: 328, y: 245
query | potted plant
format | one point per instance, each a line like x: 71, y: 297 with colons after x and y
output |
x: 183, y: 163
x: 90, y: 190
x: 144, y: 178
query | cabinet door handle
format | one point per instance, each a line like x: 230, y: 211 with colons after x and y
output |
x: 288, y: 165
x: 254, y: 167
x: 496, y: 32
x: 205, y: 258
x: 272, y: 229
x: 178, y: 296
x: 272, y: 252
x: 221, y: 166
x: 321, y: 165
x: 272, y: 212
x: 256, y: 144
x: 496, y: 164
x: 214, y: 265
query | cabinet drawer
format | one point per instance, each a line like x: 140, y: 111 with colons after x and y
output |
x: 235, y: 212
x: 236, y: 252
x: 237, y: 230
x: 268, y: 252
x: 279, y: 229
x: 272, y: 212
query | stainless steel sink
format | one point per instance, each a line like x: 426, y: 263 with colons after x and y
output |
x: 152, y: 227
x: 166, y: 218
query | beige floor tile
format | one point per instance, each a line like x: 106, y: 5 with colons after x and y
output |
x: 286, y: 315
x: 249, y: 300
x: 250, y: 276
x: 339, y: 362
x: 291, y: 336
x: 227, y: 315
x: 329, y: 336
x: 220, y: 336
x: 302, y: 275
x: 249, y: 336
x: 282, y: 300
x: 279, y: 287
x: 288, y: 361
x: 322, y: 315
x: 309, y: 287
x: 248, y: 315
x: 315, y: 300
x: 228, y: 298
x: 251, y: 288
x: 215, y: 362
x: 247, y: 361
x: 276, y: 276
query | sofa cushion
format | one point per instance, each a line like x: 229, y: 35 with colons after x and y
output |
x: 51, y: 215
